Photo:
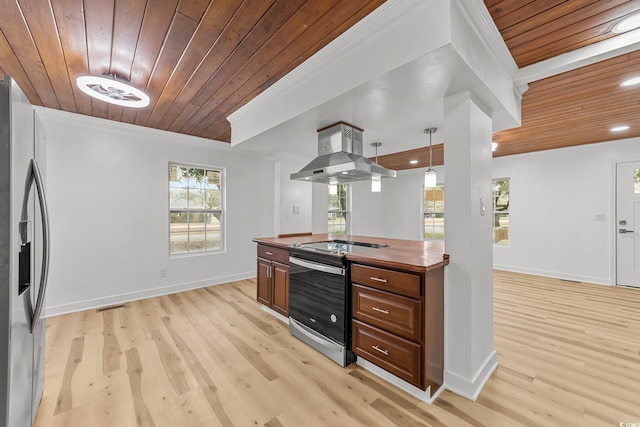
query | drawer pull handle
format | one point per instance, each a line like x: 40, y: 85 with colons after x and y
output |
x: 380, y: 310
x: 377, y: 279
x: 385, y: 352
x: 269, y: 253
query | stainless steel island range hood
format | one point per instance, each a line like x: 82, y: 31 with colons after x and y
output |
x: 340, y: 158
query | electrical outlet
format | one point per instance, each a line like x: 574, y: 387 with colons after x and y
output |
x: 163, y: 272
x: 600, y: 217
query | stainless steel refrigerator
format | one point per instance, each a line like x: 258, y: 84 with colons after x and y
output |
x: 24, y: 257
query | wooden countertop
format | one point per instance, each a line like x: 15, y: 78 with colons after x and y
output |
x: 410, y: 255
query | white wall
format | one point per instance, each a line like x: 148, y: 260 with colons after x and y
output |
x: 108, y: 197
x: 366, y: 208
x: 320, y: 206
x: 294, y: 199
x: 555, y: 196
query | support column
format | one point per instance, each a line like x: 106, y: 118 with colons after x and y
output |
x: 469, y: 347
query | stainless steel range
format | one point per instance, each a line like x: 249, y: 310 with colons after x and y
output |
x: 320, y: 298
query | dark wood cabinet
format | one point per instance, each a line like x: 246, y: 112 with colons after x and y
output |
x: 398, y: 322
x: 273, y: 278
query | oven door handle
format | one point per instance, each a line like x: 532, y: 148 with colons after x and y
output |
x: 317, y: 266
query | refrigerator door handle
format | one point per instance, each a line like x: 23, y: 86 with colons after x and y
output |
x: 33, y: 175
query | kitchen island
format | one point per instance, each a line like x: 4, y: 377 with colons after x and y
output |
x: 396, y: 312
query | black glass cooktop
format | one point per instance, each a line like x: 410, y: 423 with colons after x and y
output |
x: 337, y: 247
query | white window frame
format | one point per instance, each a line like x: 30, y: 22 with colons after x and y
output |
x: 494, y: 212
x: 221, y: 210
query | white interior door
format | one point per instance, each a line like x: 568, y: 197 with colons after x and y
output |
x: 628, y: 223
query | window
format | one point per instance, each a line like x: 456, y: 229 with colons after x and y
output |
x: 501, y: 211
x: 636, y: 181
x: 338, y: 209
x: 434, y: 213
x: 195, y: 209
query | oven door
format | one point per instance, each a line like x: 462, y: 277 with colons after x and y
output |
x: 317, y: 297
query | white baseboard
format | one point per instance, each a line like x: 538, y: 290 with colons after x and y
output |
x: 147, y: 293
x: 275, y: 314
x: 554, y: 274
x: 471, y: 388
x: 423, y: 395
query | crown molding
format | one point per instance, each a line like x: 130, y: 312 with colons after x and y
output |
x: 95, y: 123
x: 478, y: 16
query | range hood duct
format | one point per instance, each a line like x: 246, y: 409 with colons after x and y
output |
x: 340, y: 158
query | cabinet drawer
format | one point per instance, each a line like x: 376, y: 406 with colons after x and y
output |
x: 397, y: 355
x: 388, y: 280
x: 393, y: 313
x: 273, y: 254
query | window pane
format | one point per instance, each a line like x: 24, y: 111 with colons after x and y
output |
x: 196, y: 199
x: 213, y: 180
x: 213, y: 231
x: 196, y: 231
x: 434, y: 199
x: 636, y: 181
x: 501, y: 228
x: 501, y: 195
x: 196, y: 178
x: 434, y: 226
x: 337, y: 222
x: 434, y: 213
x: 212, y: 199
x: 178, y: 176
x: 177, y: 197
x: 338, y: 209
x: 179, y: 233
x: 501, y: 211
x: 338, y: 201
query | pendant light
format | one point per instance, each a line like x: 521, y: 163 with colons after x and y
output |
x: 430, y: 177
x: 376, y: 179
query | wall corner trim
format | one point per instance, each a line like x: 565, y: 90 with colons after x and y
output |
x: 471, y: 388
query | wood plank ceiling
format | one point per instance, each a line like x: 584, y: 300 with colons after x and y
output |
x: 200, y: 60
x: 579, y: 106
x: 572, y: 108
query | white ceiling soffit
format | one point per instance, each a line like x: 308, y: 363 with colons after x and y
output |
x: 605, y: 49
x: 388, y: 75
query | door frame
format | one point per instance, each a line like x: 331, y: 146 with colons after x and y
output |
x: 613, y: 212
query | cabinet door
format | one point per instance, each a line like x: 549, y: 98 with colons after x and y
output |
x: 280, y: 296
x: 264, y: 279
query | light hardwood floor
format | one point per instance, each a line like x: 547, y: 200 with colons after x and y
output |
x: 569, y: 355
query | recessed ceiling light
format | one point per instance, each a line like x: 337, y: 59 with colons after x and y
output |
x: 619, y: 128
x: 113, y: 89
x: 631, y: 81
x: 494, y: 146
x: 631, y: 22
x: 413, y: 162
